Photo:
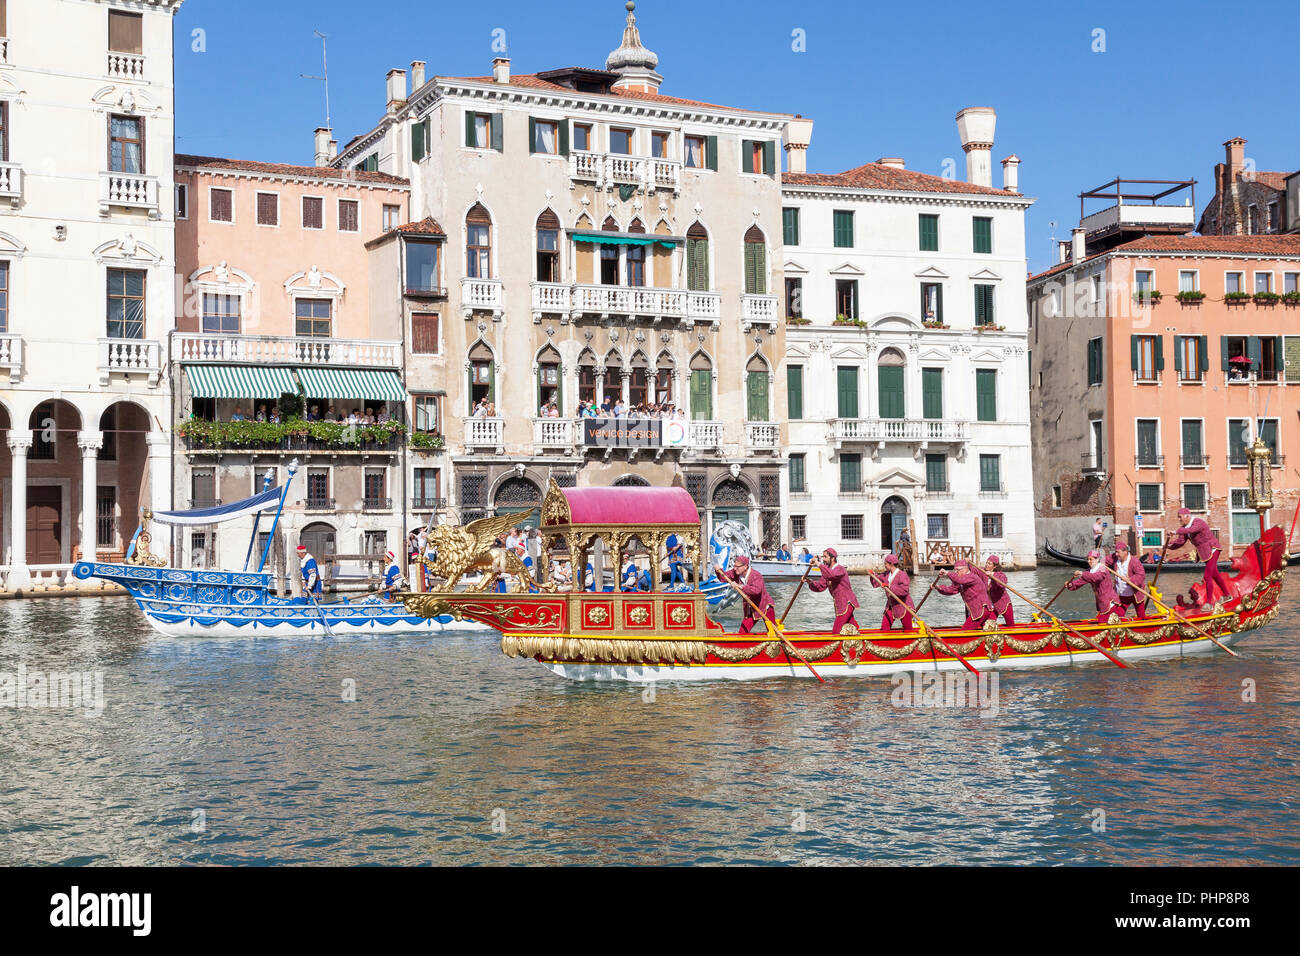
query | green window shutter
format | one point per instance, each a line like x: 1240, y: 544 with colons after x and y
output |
x: 469, y: 128
x: 564, y: 137
x: 1205, y: 353
x: 492, y: 382
x: 498, y: 131
x: 851, y: 473
x: 1223, y: 347
x: 794, y: 391
x: 983, y: 305
x: 1178, y: 352
x: 797, y: 484
x: 986, y: 394
x: 847, y: 380
x: 532, y: 135
x: 932, y: 393
x: 711, y: 153
x: 982, y: 238
x: 702, y: 395
x: 756, y: 392
x: 936, y: 472
x: 790, y: 226
x: 843, y: 229
x: 769, y: 159
x: 1192, y: 441
x: 891, y: 392
x: 746, y: 154
x: 1160, y: 353
x: 1092, y: 363
x: 929, y: 229
x: 419, y: 140
x: 938, y: 300
x: 697, y: 265
x: 1254, y: 352
x: 755, y: 269
x: 1133, y: 351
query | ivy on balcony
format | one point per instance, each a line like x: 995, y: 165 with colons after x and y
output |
x: 294, y: 433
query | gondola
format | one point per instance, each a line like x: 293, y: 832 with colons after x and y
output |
x: 1076, y: 561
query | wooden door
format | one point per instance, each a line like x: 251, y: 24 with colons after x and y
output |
x: 44, y: 525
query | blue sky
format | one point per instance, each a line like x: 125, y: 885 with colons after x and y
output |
x: 1174, y: 81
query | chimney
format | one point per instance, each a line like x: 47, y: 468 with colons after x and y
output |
x: 893, y: 162
x: 1062, y: 252
x: 417, y: 74
x: 501, y: 69
x: 334, y: 150
x: 1078, y: 244
x: 396, y: 89
x: 1011, y: 174
x: 975, y: 125
x: 1235, y: 149
x: 323, y: 156
x: 798, y: 134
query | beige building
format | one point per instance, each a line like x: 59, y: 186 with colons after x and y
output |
x: 577, y: 234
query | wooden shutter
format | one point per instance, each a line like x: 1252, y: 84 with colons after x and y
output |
x: 701, y: 395
x: 125, y: 32
x: 747, y: 156
x: 932, y: 393
x: 1223, y: 348
x: 497, y: 122
x: 1192, y: 441
x: 990, y: 472
x: 986, y: 394
x: 564, y: 137
x: 424, y: 333
x: 268, y: 209
x: 769, y: 159
x: 711, y: 153
x: 756, y: 392
x: 790, y: 226
x: 1254, y: 352
x: 891, y: 391
x: 312, y: 212
x: 982, y: 228
x: 1160, y: 353
x: 847, y: 382
x: 794, y: 392
x: 470, y: 138
x: 532, y: 135
x: 1134, y: 351
x: 1178, y: 352
x: 929, y: 229
x: 1205, y: 352
x: 419, y: 140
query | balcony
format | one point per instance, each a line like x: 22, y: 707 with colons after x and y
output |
x: 428, y: 504
x: 11, y: 183
x: 1149, y: 461
x: 125, y: 66
x: 482, y: 295
x: 705, y: 436
x: 556, y: 434
x: 318, y: 504
x: 200, y: 436
x: 762, y: 436
x: 1091, y: 464
x: 657, y: 303
x: 758, y: 310
x: 377, y: 504
x: 551, y: 297
x: 854, y: 430
x: 130, y: 357
x: 485, y: 433
x: 1194, y: 461
x: 128, y: 190
x: 11, y: 355
x: 607, y: 170
x: 285, y: 350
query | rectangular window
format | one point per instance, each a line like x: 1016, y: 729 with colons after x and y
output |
x: 984, y: 314
x: 221, y: 206
x: 798, y: 485
x: 312, y: 317
x: 1057, y: 497
x: 1290, y: 282
x: 1240, y: 436
x: 392, y: 217
x: 932, y: 393
x: 1095, y: 362
x: 1143, y: 281
x: 793, y: 298
x: 182, y: 200
x: 798, y: 527
x: 847, y: 380
x: 105, y: 518
x: 220, y: 314
x: 851, y: 527
x: 582, y: 137
x: 349, y: 215
x: 794, y: 391
x: 1191, y: 357
x: 125, y: 32
x: 982, y: 234
x: 991, y: 473
x: 483, y: 131
x: 426, y: 488
x: 1245, y: 520
x: 694, y: 152
x: 424, y: 333
x: 1150, y: 499
x: 368, y: 165
x: 1148, y: 443
x: 936, y: 473
x: 1233, y: 281
x: 318, y: 488
x: 635, y: 262
x: 850, y: 474
x: 790, y: 226
x: 986, y: 394
x: 1193, y: 443
x: 842, y: 226
x: 203, y: 487
x: 1263, y: 282
x: 1194, y: 498
x: 1187, y: 280
x: 268, y: 209
x: 548, y: 255
x: 4, y: 295
x: 846, y: 298
x: 892, y: 401
x: 374, y: 488
x: 932, y: 301
x: 991, y: 526
x: 1148, y: 358
x: 313, y: 212
x: 936, y: 527
x: 422, y: 266
x: 546, y: 137
x: 419, y: 141
x: 1096, y: 289
x: 928, y: 224
x: 125, y: 144
x: 1252, y: 226
x: 125, y: 304
x: 620, y: 141
x: 1272, y: 223
x: 659, y: 145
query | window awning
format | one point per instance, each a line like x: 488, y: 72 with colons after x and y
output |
x: 623, y: 238
x: 379, y: 386
x: 239, y: 381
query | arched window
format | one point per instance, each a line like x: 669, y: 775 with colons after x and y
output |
x: 697, y: 258
x: 548, y: 247
x: 701, y: 388
x: 638, y: 381
x: 756, y: 390
x: 522, y: 497
x: 631, y: 481
x: 609, y: 256
x: 549, y: 377
x: 755, y: 262
x: 478, y: 243
x: 636, y: 257
x: 890, y: 368
x: 482, y: 376
x: 613, y: 378
x: 587, y: 377
x: 664, y: 379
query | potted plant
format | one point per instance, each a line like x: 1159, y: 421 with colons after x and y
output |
x: 1146, y: 296
x: 1232, y: 298
x: 797, y: 320
x: 934, y: 324
x: 1291, y: 298
x: 1266, y: 298
x: 1190, y: 298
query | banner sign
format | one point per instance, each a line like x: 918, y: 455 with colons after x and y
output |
x: 622, y: 432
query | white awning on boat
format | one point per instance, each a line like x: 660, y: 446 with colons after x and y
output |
x: 266, y: 501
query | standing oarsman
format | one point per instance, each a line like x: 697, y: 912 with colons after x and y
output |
x: 835, y: 578
x: 311, y: 582
x: 1207, y: 547
x: 1103, y: 587
x: 676, y: 555
x: 1131, y: 575
x: 996, y: 584
x: 753, y: 587
x: 970, y: 585
x: 896, y: 582
x: 392, y: 578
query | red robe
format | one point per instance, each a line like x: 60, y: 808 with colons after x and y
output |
x: 971, y: 588
x: 901, y: 588
x: 835, y: 580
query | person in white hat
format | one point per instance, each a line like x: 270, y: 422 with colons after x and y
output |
x: 311, y: 582
x: 393, y: 578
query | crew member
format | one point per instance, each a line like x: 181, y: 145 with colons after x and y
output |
x: 631, y: 576
x: 834, y: 577
x: 311, y: 582
x: 1103, y: 587
x: 995, y: 580
x: 1130, y: 576
x: 970, y: 585
x: 896, y: 582
x: 753, y: 587
x: 1207, y: 547
x: 676, y: 557
x: 392, y: 578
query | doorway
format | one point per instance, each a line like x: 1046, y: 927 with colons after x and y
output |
x: 893, y: 522
x: 44, y: 524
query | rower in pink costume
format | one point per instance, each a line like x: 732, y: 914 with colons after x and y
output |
x: 1131, y: 568
x: 896, y: 582
x: 1103, y: 588
x: 970, y: 585
x: 752, y: 585
x: 995, y: 582
x: 835, y: 578
x: 1207, y: 547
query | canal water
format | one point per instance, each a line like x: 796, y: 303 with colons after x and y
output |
x: 247, y: 752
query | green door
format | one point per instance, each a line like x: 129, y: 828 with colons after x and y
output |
x: 891, y: 392
x: 756, y: 397
x: 848, y: 391
x: 702, y: 395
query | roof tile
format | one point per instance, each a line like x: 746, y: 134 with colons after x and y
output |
x: 281, y: 169
x: 879, y: 176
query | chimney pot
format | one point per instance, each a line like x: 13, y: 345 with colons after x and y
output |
x: 798, y: 134
x: 501, y: 69
x: 323, y: 156
x: 396, y: 89
x: 1011, y: 174
x: 1235, y: 150
x: 334, y: 150
x: 417, y: 74
x: 975, y: 126
x: 894, y: 162
x: 1078, y: 244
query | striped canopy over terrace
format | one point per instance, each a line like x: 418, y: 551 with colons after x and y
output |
x: 239, y: 381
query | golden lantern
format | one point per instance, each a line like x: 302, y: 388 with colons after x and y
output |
x: 1259, y: 457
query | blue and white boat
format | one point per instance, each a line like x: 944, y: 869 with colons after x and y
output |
x: 198, y: 602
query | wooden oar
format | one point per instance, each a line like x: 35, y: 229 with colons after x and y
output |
x: 774, y: 631
x: 807, y: 571
x: 925, y: 628
x: 1168, y: 610
x: 1077, y: 633
x: 926, y: 596
x: 1058, y: 593
x: 1160, y: 565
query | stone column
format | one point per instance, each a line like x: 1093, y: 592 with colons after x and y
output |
x: 160, y: 487
x: 20, y: 442
x: 90, y: 443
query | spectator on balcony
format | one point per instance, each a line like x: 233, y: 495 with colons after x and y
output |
x: 261, y: 413
x: 370, y: 417
x: 481, y: 409
x: 491, y: 410
x: 238, y: 416
x: 314, y: 414
x: 331, y: 415
x: 274, y: 418
x: 620, y: 409
x: 606, y: 408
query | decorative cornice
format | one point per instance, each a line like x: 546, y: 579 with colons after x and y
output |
x: 843, y: 193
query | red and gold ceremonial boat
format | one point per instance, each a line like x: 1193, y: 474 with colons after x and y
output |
x: 655, y: 636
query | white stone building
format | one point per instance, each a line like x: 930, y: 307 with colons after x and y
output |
x: 907, y: 372
x: 86, y: 276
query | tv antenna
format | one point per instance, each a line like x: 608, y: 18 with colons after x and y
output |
x: 325, y: 78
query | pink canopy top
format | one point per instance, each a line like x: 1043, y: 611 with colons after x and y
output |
x: 648, y: 506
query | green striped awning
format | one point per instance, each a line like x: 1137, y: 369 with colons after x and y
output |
x: 379, y: 386
x: 239, y: 381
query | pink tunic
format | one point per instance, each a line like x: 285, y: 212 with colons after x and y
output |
x: 901, y: 588
x: 1202, y: 538
x: 970, y: 586
x: 1103, y: 588
x: 753, y: 588
x: 835, y: 580
x: 1132, y: 569
x: 997, y: 588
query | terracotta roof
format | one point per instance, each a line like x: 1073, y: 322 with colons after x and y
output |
x: 1194, y: 245
x: 1273, y: 180
x: 532, y: 81
x: 1062, y: 267
x: 425, y: 227
x: 282, y: 169
x: 878, y: 176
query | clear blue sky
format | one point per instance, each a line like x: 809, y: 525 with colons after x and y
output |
x: 880, y: 79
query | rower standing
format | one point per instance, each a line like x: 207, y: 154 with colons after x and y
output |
x: 753, y: 587
x: 898, y: 583
x: 392, y: 578
x: 834, y: 577
x: 311, y: 582
x: 1103, y: 587
x: 996, y: 584
x: 1131, y: 576
x: 970, y: 585
x: 676, y: 557
x: 1207, y: 547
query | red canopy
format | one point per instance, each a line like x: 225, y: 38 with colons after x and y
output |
x: 648, y: 506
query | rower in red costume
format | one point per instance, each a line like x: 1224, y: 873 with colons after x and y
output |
x: 1131, y: 577
x: 1103, y: 587
x: 835, y: 578
x: 970, y: 585
x: 1207, y: 547
x: 752, y: 585
x: 995, y: 582
x: 896, y: 582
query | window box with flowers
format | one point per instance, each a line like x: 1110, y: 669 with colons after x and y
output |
x: 295, y: 434
x: 1147, y: 296
x: 1236, y: 298
x: 990, y: 328
x: 935, y: 325
x: 1291, y: 298
x: 797, y: 320
x: 1190, y: 298
x: 426, y: 441
x: 845, y: 320
x: 1266, y: 298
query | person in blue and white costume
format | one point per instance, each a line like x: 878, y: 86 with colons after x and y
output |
x: 311, y: 581
x: 643, y: 581
x: 589, y: 577
x: 631, y: 576
x: 676, y: 557
x: 783, y: 553
x: 393, y: 578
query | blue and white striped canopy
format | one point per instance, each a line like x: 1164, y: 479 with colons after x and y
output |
x: 266, y: 501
